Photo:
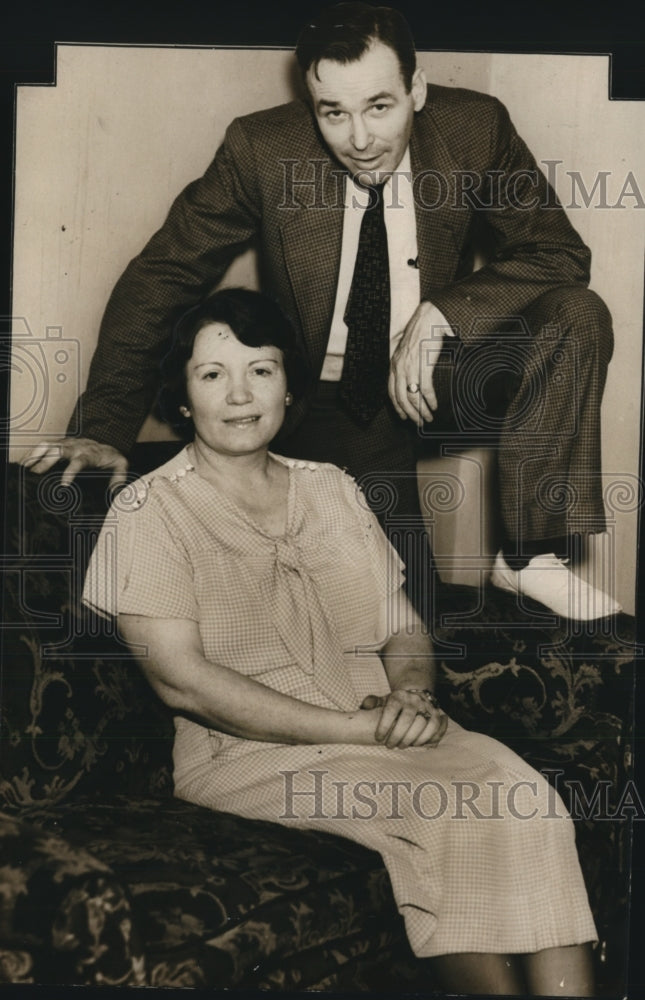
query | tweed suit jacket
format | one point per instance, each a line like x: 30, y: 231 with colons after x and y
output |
x: 274, y: 184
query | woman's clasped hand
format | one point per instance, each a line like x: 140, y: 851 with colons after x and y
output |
x: 407, y: 719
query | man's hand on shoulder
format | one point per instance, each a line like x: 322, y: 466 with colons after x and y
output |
x: 410, y: 384
x: 80, y: 453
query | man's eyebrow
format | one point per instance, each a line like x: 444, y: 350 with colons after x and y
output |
x: 326, y: 102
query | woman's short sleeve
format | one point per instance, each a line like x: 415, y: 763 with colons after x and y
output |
x: 387, y: 566
x: 139, y: 565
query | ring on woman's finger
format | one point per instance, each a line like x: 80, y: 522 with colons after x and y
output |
x: 412, y: 387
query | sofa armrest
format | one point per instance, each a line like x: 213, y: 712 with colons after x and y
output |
x: 64, y: 915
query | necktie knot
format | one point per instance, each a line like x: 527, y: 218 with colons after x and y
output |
x: 374, y: 194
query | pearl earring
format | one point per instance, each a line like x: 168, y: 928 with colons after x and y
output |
x: 185, y: 412
x: 288, y: 399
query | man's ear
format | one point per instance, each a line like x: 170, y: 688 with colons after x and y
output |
x: 418, y: 88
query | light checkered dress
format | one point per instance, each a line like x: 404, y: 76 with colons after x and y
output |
x: 479, y: 849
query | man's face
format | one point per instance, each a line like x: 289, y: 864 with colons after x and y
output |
x: 363, y: 110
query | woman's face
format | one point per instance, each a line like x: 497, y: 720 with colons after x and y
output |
x: 236, y: 394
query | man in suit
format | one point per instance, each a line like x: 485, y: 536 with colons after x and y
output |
x: 432, y: 167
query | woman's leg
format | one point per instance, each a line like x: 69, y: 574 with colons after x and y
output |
x: 477, y: 972
x: 566, y: 971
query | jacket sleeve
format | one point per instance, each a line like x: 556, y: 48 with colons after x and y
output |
x: 531, y: 245
x: 210, y: 223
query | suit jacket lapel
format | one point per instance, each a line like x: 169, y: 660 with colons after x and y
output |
x: 440, y: 226
x: 311, y: 242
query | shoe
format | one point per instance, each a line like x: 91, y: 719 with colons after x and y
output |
x: 549, y: 580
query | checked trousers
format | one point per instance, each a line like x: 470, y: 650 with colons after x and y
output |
x: 532, y: 391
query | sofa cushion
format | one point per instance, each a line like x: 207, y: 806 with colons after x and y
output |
x: 218, y: 900
x: 65, y: 917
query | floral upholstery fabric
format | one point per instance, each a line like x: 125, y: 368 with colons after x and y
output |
x: 66, y: 916
x: 76, y: 710
x: 564, y: 699
x: 106, y: 878
x: 211, y: 899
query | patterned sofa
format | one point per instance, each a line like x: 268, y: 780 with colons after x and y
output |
x: 107, y: 879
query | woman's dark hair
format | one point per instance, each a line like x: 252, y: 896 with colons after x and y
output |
x: 345, y: 31
x: 256, y: 321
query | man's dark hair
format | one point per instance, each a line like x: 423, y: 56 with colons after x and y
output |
x: 255, y: 319
x: 345, y: 31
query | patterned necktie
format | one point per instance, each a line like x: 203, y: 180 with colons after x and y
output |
x: 363, y: 383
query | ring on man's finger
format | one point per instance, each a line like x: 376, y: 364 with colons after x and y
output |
x: 412, y: 387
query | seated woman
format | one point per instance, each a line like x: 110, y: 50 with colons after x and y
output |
x: 267, y: 610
